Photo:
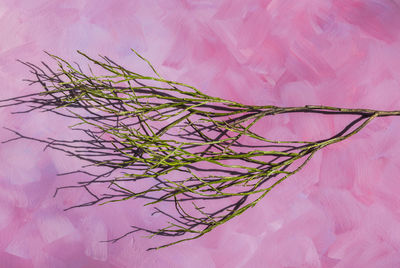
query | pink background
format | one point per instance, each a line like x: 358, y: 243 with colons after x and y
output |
x: 342, y: 210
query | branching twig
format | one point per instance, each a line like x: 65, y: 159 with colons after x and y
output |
x: 167, y: 142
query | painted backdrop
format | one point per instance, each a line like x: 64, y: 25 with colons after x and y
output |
x: 342, y: 210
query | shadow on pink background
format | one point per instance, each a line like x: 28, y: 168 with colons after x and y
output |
x: 342, y: 210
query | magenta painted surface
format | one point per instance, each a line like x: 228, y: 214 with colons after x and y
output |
x: 343, y: 210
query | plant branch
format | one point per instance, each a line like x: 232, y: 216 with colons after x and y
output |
x: 169, y: 143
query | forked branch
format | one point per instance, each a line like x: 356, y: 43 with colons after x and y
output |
x: 167, y: 142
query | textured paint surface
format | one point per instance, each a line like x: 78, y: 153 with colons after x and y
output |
x: 342, y: 210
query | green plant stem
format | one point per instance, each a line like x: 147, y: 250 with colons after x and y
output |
x: 165, y: 132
